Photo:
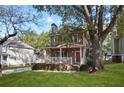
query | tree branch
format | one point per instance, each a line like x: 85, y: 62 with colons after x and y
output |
x: 111, y: 24
x: 96, y: 16
x: 100, y: 20
x: 9, y: 35
x: 6, y: 37
x: 88, y: 17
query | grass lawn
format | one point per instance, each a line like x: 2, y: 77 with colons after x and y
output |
x: 113, y: 75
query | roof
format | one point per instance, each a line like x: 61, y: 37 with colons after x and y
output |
x: 65, y: 45
x: 70, y: 45
x: 17, y: 44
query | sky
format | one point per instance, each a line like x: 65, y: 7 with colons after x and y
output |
x: 48, y: 20
x: 44, y: 19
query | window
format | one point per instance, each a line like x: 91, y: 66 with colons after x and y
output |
x: 5, y: 57
x: 57, y: 54
x: 116, y: 44
x: 64, y: 54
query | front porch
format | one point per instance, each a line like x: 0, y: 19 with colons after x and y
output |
x: 68, y: 55
x: 71, y: 54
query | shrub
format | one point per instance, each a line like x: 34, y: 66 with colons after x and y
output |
x: 38, y: 66
x: 72, y: 68
x: 59, y: 67
x: 62, y: 67
x: 84, y: 67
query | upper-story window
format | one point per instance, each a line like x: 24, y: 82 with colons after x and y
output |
x: 80, y: 39
x: 77, y: 38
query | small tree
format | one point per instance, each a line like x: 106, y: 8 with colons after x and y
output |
x: 30, y: 38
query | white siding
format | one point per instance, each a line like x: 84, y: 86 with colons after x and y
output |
x: 19, y: 56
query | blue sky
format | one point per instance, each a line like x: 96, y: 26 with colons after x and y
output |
x: 46, y: 20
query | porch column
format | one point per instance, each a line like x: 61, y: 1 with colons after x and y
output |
x: 44, y: 54
x: 84, y: 55
x: 75, y: 56
x: 81, y: 59
x: 60, y: 60
x: 71, y: 61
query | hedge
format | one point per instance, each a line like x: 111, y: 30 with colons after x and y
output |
x: 58, y: 67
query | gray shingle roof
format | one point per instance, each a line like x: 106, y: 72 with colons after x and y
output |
x: 18, y: 44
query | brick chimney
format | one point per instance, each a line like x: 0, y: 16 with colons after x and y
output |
x: 54, y: 28
x: 53, y: 36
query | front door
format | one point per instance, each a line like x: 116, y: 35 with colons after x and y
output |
x: 77, y: 57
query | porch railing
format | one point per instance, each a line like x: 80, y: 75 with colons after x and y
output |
x: 56, y: 60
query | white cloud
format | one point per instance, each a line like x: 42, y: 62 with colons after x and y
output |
x: 50, y: 20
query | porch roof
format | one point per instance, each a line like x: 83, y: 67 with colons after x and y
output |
x: 70, y: 45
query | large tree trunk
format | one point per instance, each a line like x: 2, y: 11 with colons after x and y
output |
x: 96, y: 53
x: 97, y: 56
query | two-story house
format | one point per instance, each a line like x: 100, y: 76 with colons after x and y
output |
x: 67, y: 46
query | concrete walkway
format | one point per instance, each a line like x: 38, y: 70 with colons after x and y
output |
x: 54, y: 71
x: 11, y: 71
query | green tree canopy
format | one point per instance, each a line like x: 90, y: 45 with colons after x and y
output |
x: 37, y: 41
x: 43, y: 40
x: 120, y: 25
x: 29, y: 38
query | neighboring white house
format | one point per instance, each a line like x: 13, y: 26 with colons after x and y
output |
x: 15, y: 52
x: 117, y: 46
